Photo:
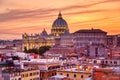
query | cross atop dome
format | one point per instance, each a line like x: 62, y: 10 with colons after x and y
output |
x: 59, y: 15
x: 44, y: 32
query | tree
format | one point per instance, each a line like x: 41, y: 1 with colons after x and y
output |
x: 41, y: 50
x: 25, y: 49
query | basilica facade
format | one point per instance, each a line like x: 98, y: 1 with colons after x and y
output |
x: 37, y: 40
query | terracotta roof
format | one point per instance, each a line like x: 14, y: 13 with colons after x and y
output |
x: 103, y: 70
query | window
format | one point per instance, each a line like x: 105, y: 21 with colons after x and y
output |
x: 81, y: 76
x: 52, y: 74
x: 95, y: 61
x: 30, y: 74
x: 115, y: 62
x: 103, y: 62
x: 111, y: 62
x: 74, y: 75
x: 19, y: 78
x: 106, y: 62
x: 89, y: 76
x: 22, y: 75
x: 96, y: 52
x: 37, y: 73
x: 60, y: 73
x: 67, y: 75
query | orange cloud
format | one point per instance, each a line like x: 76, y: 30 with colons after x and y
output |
x: 89, y: 5
x: 14, y: 20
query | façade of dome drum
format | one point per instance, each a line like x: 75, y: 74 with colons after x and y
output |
x: 59, y: 26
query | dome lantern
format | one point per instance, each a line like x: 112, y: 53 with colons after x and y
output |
x: 60, y: 15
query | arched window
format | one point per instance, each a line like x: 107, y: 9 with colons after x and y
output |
x: 67, y: 75
x: 106, y: 62
x: 81, y: 76
x: 74, y: 75
x: 115, y: 62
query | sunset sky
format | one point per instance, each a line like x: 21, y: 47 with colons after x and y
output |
x: 32, y: 16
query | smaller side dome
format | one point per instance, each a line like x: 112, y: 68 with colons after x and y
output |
x: 44, y: 33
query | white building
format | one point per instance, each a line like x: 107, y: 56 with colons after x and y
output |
x: 113, y: 40
x: 86, y: 37
x: 66, y: 39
